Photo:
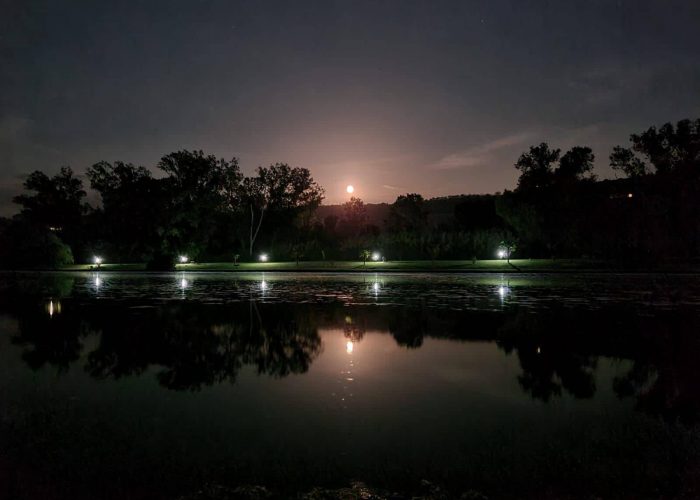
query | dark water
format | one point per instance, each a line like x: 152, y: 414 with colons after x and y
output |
x: 540, y: 386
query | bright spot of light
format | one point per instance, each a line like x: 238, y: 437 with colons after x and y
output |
x: 97, y: 260
x: 263, y: 285
x: 349, y: 346
x: 263, y: 257
x: 184, y: 283
x: 501, y: 254
x: 375, y: 287
x: 53, y: 307
x: 376, y: 256
x: 184, y: 259
x: 539, y: 350
x: 630, y: 195
x: 98, y: 282
x: 350, y: 189
x: 502, y: 291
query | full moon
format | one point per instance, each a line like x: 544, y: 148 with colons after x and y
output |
x: 350, y: 189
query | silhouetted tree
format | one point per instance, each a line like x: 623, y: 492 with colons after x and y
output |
x: 624, y: 161
x: 671, y: 149
x: 199, y: 187
x: 536, y: 166
x: 131, y: 209
x: 281, y: 191
x: 56, y: 204
x: 354, y: 216
x: 576, y: 164
x: 56, y: 201
x: 408, y: 213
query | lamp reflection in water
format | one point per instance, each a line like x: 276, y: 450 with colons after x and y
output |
x: 53, y: 308
x: 503, y: 290
x: 376, y: 286
x: 264, y: 285
x: 97, y: 281
x: 349, y: 346
x: 184, y: 284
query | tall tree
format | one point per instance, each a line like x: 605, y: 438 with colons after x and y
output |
x: 280, y: 189
x: 202, y: 178
x: 536, y: 167
x: 110, y: 180
x: 576, y: 164
x: 199, y: 187
x: 671, y: 149
x: 623, y: 160
x: 131, y: 208
x: 56, y: 201
x: 408, y: 213
x: 354, y: 215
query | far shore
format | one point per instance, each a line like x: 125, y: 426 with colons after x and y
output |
x: 417, y: 266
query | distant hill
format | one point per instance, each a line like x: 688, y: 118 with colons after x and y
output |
x: 440, y: 210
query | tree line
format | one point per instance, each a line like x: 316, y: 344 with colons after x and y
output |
x: 204, y: 207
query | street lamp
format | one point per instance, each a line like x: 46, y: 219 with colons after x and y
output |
x: 184, y: 259
x: 97, y: 260
x: 263, y: 257
x: 376, y: 256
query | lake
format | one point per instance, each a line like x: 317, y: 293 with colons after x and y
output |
x: 189, y: 385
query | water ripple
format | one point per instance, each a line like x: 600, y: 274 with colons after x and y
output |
x: 448, y: 291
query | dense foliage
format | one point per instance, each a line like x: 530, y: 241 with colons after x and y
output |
x: 204, y: 207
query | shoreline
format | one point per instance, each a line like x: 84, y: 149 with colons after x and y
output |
x: 517, y: 266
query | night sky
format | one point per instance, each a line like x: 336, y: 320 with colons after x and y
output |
x: 436, y: 97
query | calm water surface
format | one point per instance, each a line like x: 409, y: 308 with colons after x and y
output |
x: 155, y: 386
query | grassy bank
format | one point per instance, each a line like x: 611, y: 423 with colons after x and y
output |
x: 516, y: 265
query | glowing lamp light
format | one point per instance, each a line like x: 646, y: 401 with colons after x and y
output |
x: 184, y: 259
x: 263, y: 257
x: 97, y: 260
x: 183, y: 283
x: 350, y: 189
x: 376, y: 256
x: 349, y: 347
x: 501, y: 254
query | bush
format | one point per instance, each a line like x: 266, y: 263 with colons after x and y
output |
x: 24, y: 246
